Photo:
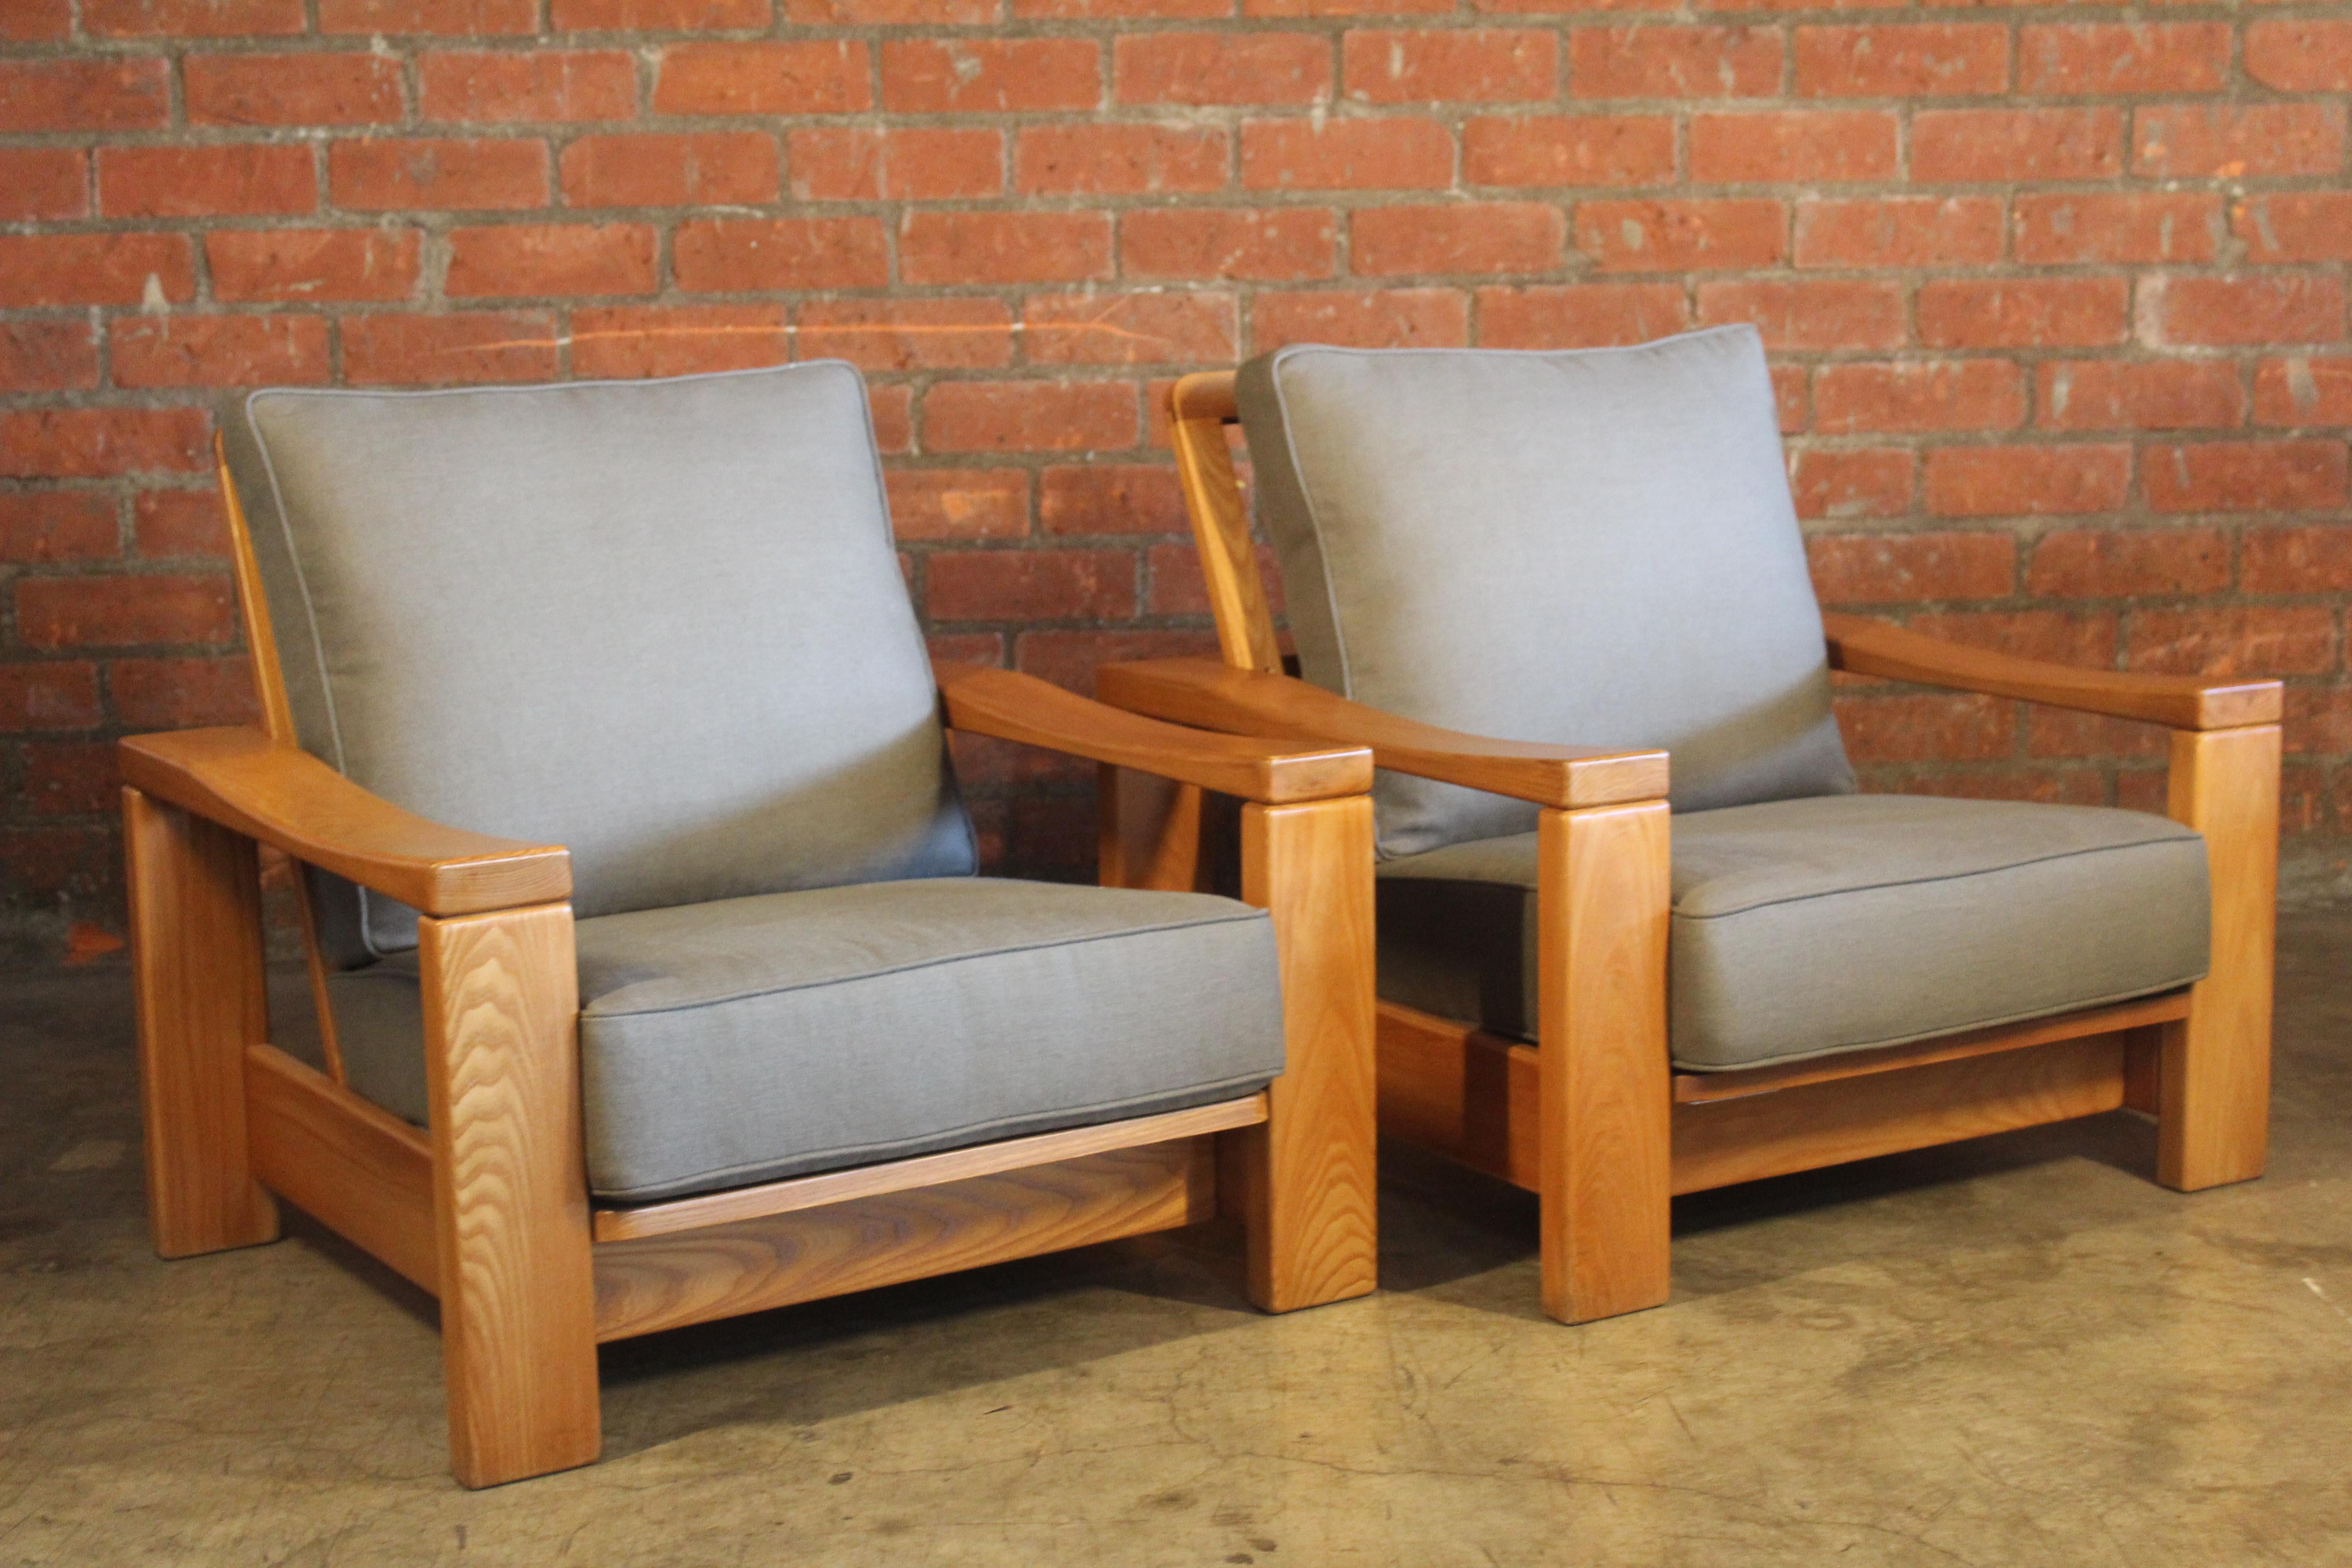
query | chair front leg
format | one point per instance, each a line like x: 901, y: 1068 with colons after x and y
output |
x: 1308, y: 1169
x: 2213, y: 1082
x: 195, y: 956
x: 1604, y: 1174
x: 510, y: 1192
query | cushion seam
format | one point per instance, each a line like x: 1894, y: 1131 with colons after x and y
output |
x: 1946, y: 876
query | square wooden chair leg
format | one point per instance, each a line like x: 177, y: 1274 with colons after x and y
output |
x: 510, y: 1193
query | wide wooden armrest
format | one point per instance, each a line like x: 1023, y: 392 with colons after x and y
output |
x: 1015, y: 707
x: 1863, y: 646
x: 242, y: 780
x: 1220, y: 697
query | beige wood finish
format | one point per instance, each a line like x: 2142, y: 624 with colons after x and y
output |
x: 923, y: 1170
x: 196, y: 977
x: 1149, y: 830
x: 1202, y: 407
x: 669, y: 1281
x: 2213, y: 1080
x: 359, y: 1170
x: 510, y: 1193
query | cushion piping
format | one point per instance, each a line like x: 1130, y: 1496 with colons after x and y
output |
x: 1945, y: 876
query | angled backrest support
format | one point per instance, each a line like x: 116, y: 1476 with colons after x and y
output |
x: 1592, y: 547
x: 661, y: 622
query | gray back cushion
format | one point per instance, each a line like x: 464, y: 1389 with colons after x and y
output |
x: 659, y: 622
x: 1591, y: 547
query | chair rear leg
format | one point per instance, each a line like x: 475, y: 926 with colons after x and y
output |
x: 1605, y: 1176
x: 195, y: 956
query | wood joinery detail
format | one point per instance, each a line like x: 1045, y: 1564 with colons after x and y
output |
x: 361, y: 1171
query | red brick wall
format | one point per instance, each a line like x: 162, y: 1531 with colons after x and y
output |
x: 2056, y: 299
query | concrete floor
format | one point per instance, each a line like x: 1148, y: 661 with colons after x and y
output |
x: 2012, y: 1353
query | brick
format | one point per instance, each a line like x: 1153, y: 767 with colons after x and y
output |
x: 1169, y: 10
x: 535, y: 86
x: 447, y: 17
x: 892, y: 409
x: 1458, y: 237
x: 1682, y: 235
x: 36, y: 21
x: 2303, y: 389
x: 2244, y: 476
x: 292, y: 89
x: 1580, y: 315
x: 448, y: 349
x: 2024, y: 313
x: 814, y: 76
x: 1960, y: 146
x: 2121, y: 563
x: 48, y: 355
x: 1111, y: 498
x: 2048, y: 786
x: 2319, y: 721
x: 67, y: 865
x: 97, y: 443
x: 1096, y: 158
x: 630, y: 341
x: 1030, y: 584
x: 1160, y: 328
x: 2136, y: 227
x: 1181, y: 587
x: 990, y: 76
x: 1004, y: 247
x: 2310, y: 54
x: 1928, y: 60
x: 523, y: 259
x: 249, y: 179
x: 38, y: 182
x: 959, y: 503
x: 1845, y: 483
x: 1811, y: 145
x: 1070, y: 658
x: 2298, y: 226
x: 2254, y: 641
x: 2292, y: 308
x: 131, y: 93
x: 909, y: 334
x: 1925, y: 728
x: 2308, y: 560
x: 1591, y: 150
x: 311, y: 265
x: 1899, y: 231
x: 2234, y: 141
x: 1679, y: 62
x: 218, y: 351
x: 49, y: 696
x: 2027, y: 482
x: 1029, y: 417
x: 179, y: 523
x: 1792, y: 396
x: 658, y: 16
x: 1259, y: 245
x: 71, y: 778
x: 1221, y: 68
x: 2139, y: 394
x: 54, y: 612
x: 727, y: 256
x: 444, y: 174
x: 182, y: 693
x: 190, y: 18
x: 1910, y: 568
x: 43, y: 528
x: 1458, y: 65
x: 2121, y: 58
x: 1346, y: 154
x: 1360, y: 318
x: 1946, y: 395
x: 2055, y: 733
x: 1810, y: 313
x: 862, y: 163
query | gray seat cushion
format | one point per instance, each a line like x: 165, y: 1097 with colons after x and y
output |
x: 661, y: 622
x: 1806, y: 927
x: 1591, y: 547
x: 753, y: 1038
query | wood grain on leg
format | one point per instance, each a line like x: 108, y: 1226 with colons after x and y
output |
x: 510, y: 1192
x: 1605, y: 1142
x: 195, y: 956
x: 2213, y: 1081
x: 1308, y: 1171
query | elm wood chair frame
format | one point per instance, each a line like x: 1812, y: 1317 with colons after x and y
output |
x: 490, y: 1209
x: 1597, y: 1124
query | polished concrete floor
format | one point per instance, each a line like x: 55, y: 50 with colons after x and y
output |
x: 2013, y: 1353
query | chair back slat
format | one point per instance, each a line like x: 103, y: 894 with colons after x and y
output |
x: 253, y: 607
x: 1202, y: 407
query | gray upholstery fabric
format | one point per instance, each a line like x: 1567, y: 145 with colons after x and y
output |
x: 752, y: 1039
x: 659, y: 622
x: 1806, y: 927
x: 1593, y: 547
